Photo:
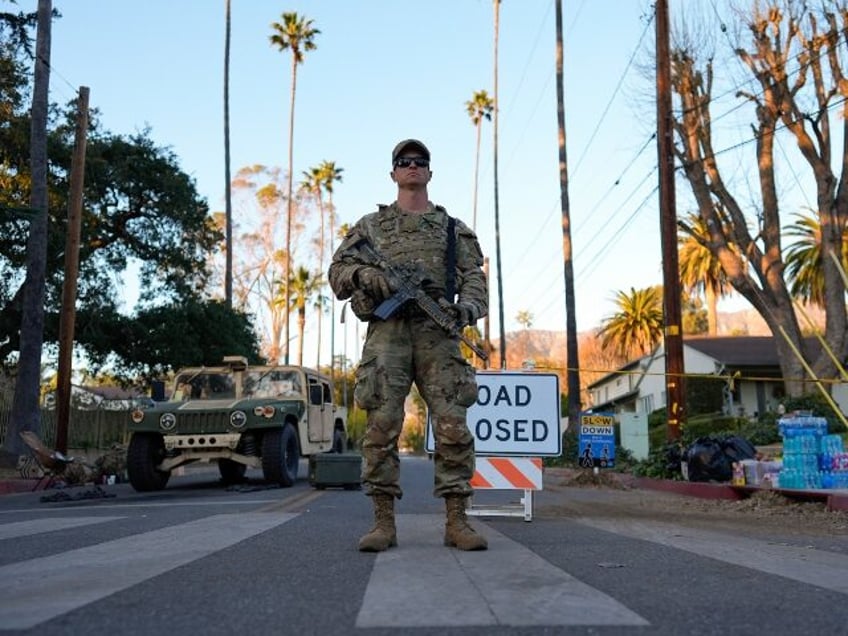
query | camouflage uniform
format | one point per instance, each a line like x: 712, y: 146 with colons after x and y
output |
x: 409, y: 347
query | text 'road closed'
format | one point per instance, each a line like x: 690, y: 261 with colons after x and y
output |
x: 515, y: 414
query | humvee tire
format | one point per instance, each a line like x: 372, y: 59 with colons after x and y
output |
x: 280, y: 456
x: 146, y: 451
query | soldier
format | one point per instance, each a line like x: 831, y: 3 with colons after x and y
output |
x: 409, y: 347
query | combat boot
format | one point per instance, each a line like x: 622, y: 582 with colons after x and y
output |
x: 458, y: 532
x: 384, y: 534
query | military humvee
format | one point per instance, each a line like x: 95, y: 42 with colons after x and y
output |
x: 264, y: 417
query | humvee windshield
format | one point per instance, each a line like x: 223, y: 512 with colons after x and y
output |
x: 271, y: 384
x: 204, y: 386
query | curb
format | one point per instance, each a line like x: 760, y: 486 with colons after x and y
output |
x: 832, y: 500
x: 13, y: 486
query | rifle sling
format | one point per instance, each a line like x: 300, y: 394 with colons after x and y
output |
x: 450, y: 261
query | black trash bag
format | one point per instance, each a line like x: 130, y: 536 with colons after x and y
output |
x: 675, y: 455
x: 707, y: 461
x: 738, y: 448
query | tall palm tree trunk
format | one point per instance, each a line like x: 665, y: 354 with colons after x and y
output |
x: 572, y: 364
x: 228, y: 209
x: 497, y: 214
x: 712, y: 310
x: 321, y: 272
x: 301, y: 329
x: 289, y: 214
x: 332, y: 296
x: 476, y: 175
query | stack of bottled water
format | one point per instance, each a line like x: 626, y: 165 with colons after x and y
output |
x: 802, y: 452
x: 833, y: 462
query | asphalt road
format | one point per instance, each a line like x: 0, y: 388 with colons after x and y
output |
x: 201, y: 558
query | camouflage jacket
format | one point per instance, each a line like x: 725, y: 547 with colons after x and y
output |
x: 414, y: 237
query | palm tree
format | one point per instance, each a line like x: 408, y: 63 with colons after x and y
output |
x: 313, y: 183
x: 295, y: 33
x: 572, y: 353
x: 497, y: 5
x: 699, y: 268
x: 305, y: 287
x: 524, y: 318
x: 638, y: 325
x: 228, y: 205
x: 479, y: 107
x: 316, y: 181
x: 329, y: 175
x: 804, y: 266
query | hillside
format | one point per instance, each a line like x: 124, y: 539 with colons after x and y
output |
x: 540, y: 345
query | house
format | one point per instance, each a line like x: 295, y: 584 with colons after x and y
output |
x: 750, y: 364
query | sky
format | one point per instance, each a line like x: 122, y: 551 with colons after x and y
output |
x: 384, y: 71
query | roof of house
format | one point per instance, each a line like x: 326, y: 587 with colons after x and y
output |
x: 731, y: 351
x: 737, y: 351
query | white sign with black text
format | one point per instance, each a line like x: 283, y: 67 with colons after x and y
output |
x: 516, y: 414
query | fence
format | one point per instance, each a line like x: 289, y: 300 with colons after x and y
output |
x: 94, y: 429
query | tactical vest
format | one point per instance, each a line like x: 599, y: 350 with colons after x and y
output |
x: 417, y: 237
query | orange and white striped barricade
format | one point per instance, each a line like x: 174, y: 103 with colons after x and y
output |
x: 507, y: 473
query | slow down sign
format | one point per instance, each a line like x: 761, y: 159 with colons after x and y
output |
x: 516, y: 414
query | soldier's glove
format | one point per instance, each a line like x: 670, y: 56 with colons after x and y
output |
x: 464, y: 313
x: 372, y: 281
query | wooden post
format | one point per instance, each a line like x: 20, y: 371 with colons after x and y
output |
x: 674, y: 379
x: 67, y: 316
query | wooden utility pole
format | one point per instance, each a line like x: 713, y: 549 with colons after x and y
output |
x: 674, y: 378
x: 67, y: 317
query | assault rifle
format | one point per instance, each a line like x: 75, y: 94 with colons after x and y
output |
x: 407, y: 283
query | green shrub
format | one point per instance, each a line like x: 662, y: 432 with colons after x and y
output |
x: 663, y: 462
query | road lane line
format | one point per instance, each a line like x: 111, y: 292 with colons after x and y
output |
x: 824, y: 569
x: 421, y: 583
x: 51, y: 524
x: 34, y: 591
x: 293, y: 503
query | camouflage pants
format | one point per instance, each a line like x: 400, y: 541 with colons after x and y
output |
x: 398, y: 352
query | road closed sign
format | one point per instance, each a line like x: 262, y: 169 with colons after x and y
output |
x: 516, y: 414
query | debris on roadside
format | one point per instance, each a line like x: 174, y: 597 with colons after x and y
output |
x: 62, y: 495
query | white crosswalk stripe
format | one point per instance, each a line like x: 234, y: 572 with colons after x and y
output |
x: 814, y: 567
x: 39, y: 589
x: 51, y: 524
x: 419, y: 584
x: 422, y: 584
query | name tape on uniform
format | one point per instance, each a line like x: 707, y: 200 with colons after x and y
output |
x: 515, y: 414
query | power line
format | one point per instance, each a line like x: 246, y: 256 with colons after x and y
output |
x: 612, y: 98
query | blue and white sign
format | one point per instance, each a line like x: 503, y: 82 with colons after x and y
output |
x: 516, y: 414
x: 596, y: 439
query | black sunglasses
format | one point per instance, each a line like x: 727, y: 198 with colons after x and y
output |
x: 405, y: 162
